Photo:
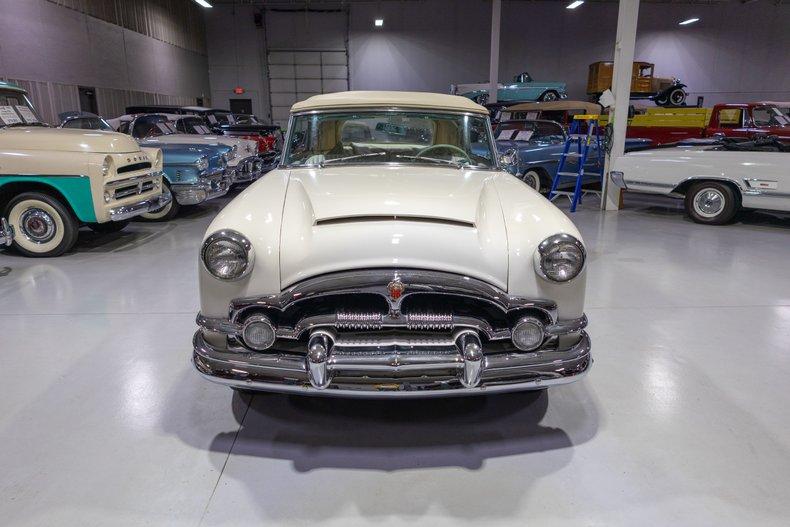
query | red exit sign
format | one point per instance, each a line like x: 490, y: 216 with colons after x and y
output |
x: 238, y: 90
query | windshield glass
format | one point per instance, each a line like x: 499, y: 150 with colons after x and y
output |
x: 770, y: 116
x: 388, y: 136
x: 533, y: 131
x: 152, y: 126
x: 17, y: 110
x: 88, y: 123
x: 192, y: 125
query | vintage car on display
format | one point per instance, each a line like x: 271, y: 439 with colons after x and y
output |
x: 644, y: 85
x: 523, y: 88
x: 716, y: 180
x: 52, y: 181
x: 390, y: 255
x: 558, y: 111
x: 537, y: 145
x: 159, y: 129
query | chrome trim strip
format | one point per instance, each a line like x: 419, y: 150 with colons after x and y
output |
x: 6, y: 232
x: 236, y: 237
x: 126, y: 212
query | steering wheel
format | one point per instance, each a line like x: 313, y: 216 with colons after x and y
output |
x: 442, y: 145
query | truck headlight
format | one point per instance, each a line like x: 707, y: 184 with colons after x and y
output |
x: 202, y: 163
x: 227, y: 255
x: 105, y: 166
x: 560, y: 258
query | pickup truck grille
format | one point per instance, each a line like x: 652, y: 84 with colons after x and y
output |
x: 133, y: 189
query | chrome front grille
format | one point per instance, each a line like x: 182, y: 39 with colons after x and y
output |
x: 358, y: 321
x: 430, y: 321
x: 134, y: 189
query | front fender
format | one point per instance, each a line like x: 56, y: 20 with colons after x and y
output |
x: 530, y: 218
x: 76, y: 189
x: 257, y: 214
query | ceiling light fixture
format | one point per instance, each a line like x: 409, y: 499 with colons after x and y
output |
x: 203, y: 3
x: 689, y: 21
x: 574, y: 5
x: 378, y: 22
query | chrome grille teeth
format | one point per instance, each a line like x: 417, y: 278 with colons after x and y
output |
x: 430, y: 321
x: 364, y: 321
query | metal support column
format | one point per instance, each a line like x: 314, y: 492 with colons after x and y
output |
x: 493, y: 70
x: 625, y: 42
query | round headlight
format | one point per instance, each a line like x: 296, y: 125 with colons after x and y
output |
x: 258, y: 333
x: 560, y: 258
x: 227, y: 255
x: 528, y: 334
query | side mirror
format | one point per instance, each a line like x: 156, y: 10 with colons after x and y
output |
x: 508, y: 159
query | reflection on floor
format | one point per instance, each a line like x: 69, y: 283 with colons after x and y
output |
x: 683, y: 419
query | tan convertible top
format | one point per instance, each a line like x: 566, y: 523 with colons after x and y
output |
x: 388, y: 99
x: 588, y: 107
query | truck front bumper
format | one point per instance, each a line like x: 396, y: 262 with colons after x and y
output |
x: 206, y: 188
x: 6, y: 232
x: 129, y: 211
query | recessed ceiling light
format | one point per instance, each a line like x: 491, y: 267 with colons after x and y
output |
x: 203, y: 3
x: 689, y: 21
x: 378, y: 22
x: 574, y: 5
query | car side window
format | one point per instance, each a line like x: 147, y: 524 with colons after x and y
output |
x: 731, y: 117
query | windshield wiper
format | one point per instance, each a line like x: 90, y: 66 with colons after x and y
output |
x: 434, y: 159
x: 357, y: 156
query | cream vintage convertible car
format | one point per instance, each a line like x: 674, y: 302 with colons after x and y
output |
x: 716, y: 179
x: 390, y: 255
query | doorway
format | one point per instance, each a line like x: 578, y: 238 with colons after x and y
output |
x: 88, y: 100
x: 241, y: 106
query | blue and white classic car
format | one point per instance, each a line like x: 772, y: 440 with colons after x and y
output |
x: 538, y: 145
x: 523, y: 88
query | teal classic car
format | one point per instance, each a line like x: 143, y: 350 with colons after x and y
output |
x: 523, y: 88
x: 54, y: 181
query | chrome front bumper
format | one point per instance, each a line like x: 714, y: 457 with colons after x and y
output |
x: 404, y: 352
x: 6, y: 232
x: 126, y: 212
x: 248, y: 170
x: 206, y: 188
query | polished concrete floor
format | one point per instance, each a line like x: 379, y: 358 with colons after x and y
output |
x: 683, y: 420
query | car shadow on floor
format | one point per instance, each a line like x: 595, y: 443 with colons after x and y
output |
x: 392, y: 434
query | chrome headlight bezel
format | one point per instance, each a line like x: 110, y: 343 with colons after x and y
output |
x: 232, y: 237
x: 105, y: 166
x: 550, y: 247
x: 202, y: 163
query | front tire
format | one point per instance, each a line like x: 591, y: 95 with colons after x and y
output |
x: 549, y: 96
x: 712, y: 203
x: 482, y: 99
x: 43, y: 225
x: 166, y: 213
x: 677, y: 97
x: 534, y: 180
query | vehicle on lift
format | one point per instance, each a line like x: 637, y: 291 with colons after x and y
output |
x: 714, y: 180
x: 558, y: 111
x: 644, y: 85
x: 535, y: 147
x: 52, y: 181
x: 390, y: 255
x: 674, y: 125
x: 522, y: 89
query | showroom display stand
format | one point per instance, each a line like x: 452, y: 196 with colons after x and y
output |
x: 577, y: 145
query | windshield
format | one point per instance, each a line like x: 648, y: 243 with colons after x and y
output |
x: 533, y: 131
x: 192, y: 125
x: 17, y: 110
x: 390, y: 136
x: 770, y: 116
x: 88, y: 123
x: 152, y: 126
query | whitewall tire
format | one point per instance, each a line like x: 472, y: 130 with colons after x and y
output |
x: 532, y: 178
x: 712, y: 203
x: 168, y: 212
x: 43, y: 225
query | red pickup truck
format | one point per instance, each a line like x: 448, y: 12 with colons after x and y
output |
x: 729, y: 120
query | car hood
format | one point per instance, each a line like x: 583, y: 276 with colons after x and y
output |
x: 437, y: 218
x: 180, y: 139
x: 66, y: 140
x: 177, y: 154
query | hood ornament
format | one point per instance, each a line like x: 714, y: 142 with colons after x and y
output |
x: 396, y: 288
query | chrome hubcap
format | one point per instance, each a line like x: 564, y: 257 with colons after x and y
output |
x: 37, y: 225
x: 709, y: 202
x: 532, y: 180
x: 550, y: 97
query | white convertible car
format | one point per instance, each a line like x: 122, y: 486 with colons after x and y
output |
x: 390, y: 255
x: 715, y: 180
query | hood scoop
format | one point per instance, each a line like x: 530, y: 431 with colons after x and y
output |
x: 380, y: 218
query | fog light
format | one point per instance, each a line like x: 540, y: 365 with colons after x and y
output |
x: 528, y: 334
x: 258, y: 333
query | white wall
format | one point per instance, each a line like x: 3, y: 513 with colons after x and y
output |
x: 54, y: 45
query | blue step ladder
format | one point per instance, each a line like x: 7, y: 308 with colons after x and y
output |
x: 577, y: 146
